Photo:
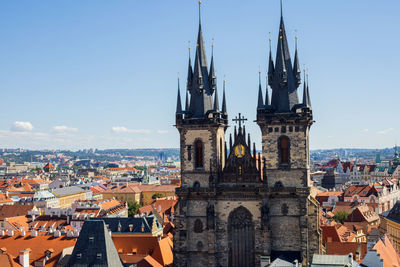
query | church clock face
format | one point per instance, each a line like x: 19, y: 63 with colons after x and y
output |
x: 239, y: 151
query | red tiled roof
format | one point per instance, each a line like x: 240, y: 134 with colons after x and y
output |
x: 38, y: 246
x: 7, y: 211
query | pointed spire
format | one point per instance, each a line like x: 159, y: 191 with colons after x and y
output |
x: 248, y: 140
x: 178, y: 102
x: 281, y: 78
x: 199, y: 11
x: 190, y: 72
x: 235, y: 133
x: 280, y: 65
x: 267, y: 102
x: 212, y: 76
x: 216, y: 101
x: 230, y: 143
x: 254, y: 150
x: 281, y: 9
x: 308, y: 93
x: 224, y: 102
x: 187, y: 104
x: 226, y: 152
x: 296, y: 67
x: 271, y: 68
x: 201, y: 99
x: 243, y: 131
x: 306, y: 96
x: 260, y: 104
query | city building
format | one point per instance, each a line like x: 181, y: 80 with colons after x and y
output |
x: 390, y: 224
x: 233, y: 208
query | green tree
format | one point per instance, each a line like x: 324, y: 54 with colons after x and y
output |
x: 340, y: 216
x: 157, y: 195
x: 133, y: 208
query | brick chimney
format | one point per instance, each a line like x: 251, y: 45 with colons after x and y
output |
x: 24, y: 257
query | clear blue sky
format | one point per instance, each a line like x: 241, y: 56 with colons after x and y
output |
x: 100, y: 73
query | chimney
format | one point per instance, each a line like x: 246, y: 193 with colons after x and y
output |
x: 351, y: 259
x: 10, y: 232
x: 24, y: 257
x: 33, y: 233
x: 48, y: 253
x: 23, y: 233
x: 2, y: 232
x: 68, y: 219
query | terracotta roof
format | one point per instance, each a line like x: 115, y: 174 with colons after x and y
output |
x: 149, y: 261
x: 157, y: 188
x: 38, y: 246
x: 7, y: 211
x: 161, y: 205
x: 6, y: 260
x: 127, y: 188
x: 387, y: 252
x: 20, y: 223
x: 141, y: 245
x: 163, y: 252
x: 344, y: 248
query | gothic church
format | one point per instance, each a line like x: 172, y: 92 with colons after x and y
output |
x: 237, y: 207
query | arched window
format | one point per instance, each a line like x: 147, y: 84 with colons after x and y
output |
x: 283, y: 145
x: 198, y: 226
x: 198, y: 145
x: 241, y: 238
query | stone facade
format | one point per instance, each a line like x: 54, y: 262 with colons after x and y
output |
x: 241, y: 209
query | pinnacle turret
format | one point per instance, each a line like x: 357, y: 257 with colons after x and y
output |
x: 178, y: 102
x: 260, y: 104
x: 283, y: 76
x: 224, y: 102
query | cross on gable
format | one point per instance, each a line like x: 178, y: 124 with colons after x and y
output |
x: 240, y: 120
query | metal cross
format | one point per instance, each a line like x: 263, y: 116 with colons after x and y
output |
x: 240, y: 119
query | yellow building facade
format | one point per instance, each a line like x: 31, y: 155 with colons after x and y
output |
x: 390, y: 224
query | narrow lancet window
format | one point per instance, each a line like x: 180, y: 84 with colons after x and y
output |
x: 199, y: 154
x: 284, y: 150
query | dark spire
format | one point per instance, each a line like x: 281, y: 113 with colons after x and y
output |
x: 248, y: 140
x: 280, y: 65
x: 224, y: 101
x: 212, y: 76
x: 178, y: 102
x: 271, y: 68
x: 254, y: 150
x: 230, y: 143
x: 296, y: 68
x: 306, y: 95
x: 260, y: 104
x: 201, y: 100
x: 216, y: 101
x: 187, y: 107
x: 190, y: 72
x: 267, y: 102
x: 281, y: 77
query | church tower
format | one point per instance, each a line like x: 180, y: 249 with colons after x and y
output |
x: 285, y: 124
x: 201, y: 125
x: 238, y: 207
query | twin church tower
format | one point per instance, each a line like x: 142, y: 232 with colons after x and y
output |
x: 237, y: 207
